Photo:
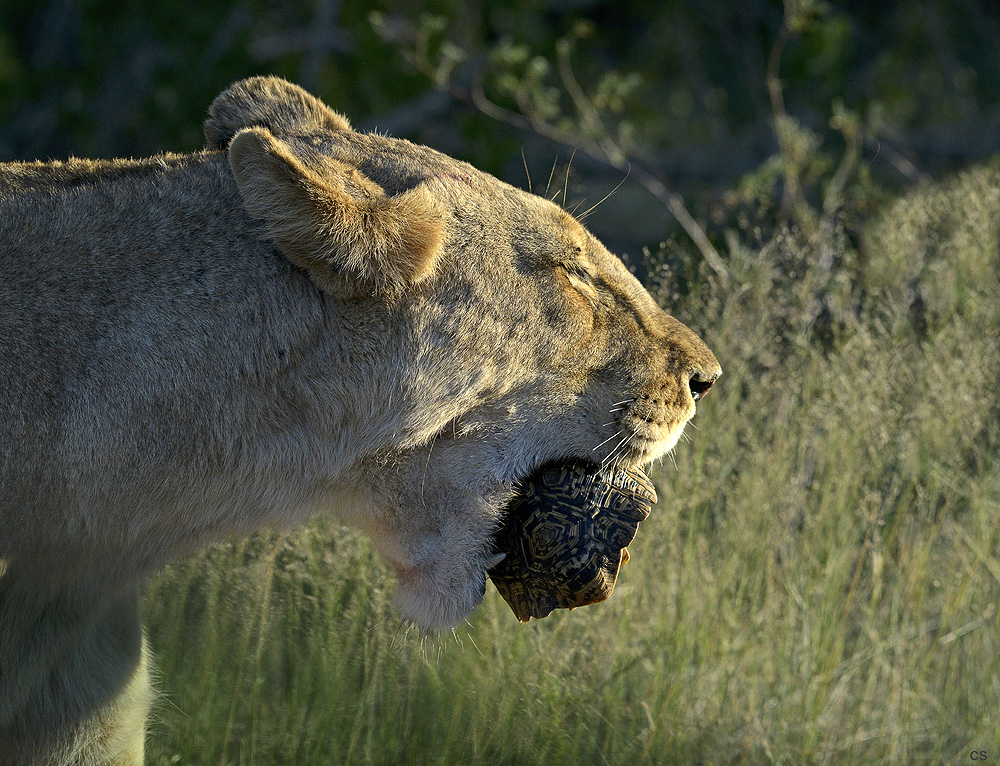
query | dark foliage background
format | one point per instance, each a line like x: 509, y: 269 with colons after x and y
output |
x: 683, y: 88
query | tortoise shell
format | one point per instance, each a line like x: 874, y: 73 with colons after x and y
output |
x: 564, y: 536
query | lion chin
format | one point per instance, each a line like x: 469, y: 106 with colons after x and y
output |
x: 437, y: 597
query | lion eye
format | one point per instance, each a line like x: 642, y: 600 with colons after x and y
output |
x: 581, y: 281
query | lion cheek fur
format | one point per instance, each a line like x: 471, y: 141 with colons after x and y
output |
x: 435, y: 534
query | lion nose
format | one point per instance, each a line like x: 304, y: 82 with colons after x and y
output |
x: 700, y: 382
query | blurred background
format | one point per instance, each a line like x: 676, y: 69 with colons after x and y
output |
x: 814, y: 188
x: 699, y: 97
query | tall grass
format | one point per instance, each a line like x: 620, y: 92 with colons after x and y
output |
x: 817, y: 585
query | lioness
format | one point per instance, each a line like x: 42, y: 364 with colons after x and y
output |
x: 300, y: 317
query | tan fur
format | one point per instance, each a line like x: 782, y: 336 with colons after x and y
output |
x: 300, y: 318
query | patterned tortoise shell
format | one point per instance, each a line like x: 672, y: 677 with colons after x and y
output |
x: 564, y: 536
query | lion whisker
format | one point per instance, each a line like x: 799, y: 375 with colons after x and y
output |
x: 566, y: 180
x: 473, y: 641
x: 400, y: 635
x: 591, y: 209
x: 606, y: 461
x: 623, y: 443
x: 552, y: 173
x: 616, y: 433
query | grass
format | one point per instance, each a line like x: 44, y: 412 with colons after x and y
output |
x: 817, y: 585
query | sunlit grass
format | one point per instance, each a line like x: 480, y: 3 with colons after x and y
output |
x: 817, y: 585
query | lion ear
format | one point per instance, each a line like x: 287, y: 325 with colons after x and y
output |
x: 334, y: 222
x: 267, y: 102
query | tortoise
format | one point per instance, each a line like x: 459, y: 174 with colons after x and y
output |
x: 564, y: 536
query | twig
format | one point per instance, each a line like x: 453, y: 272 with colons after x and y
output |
x: 604, y: 150
x: 794, y: 197
x: 611, y: 153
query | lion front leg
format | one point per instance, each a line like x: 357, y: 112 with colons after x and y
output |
x: 74, y: 684
x: 115, y: 733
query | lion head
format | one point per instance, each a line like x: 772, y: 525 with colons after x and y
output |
x: 517, y: 338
